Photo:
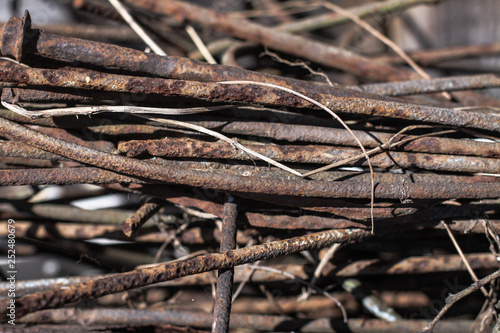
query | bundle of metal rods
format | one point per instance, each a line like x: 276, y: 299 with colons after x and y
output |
x: 245, y: 200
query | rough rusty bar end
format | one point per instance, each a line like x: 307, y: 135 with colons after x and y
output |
x: 14, y: 36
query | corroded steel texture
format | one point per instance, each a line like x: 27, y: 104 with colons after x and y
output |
x: 62, y: 176
x: 344, y: 101
x: 265, y: 323
x: 436, y: 55
x: 419, y: 265
x: 141, y: 216
x: 146, y: 276
x: 435, y: 85
x: 25, y: 287
x: 224, y: 292
x: 192, y: 148
x: 91, y: 175
x: 16, y: 149
x: 14, y: 36
x: 371, y: 139
x: 251, y: 184
x: 16, y: 95
x: 297, y: 45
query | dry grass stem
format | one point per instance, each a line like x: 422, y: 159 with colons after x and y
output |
x: 136, y: 27
x: 336, y: 117
x: 200, y: 45
x: 461, y: 253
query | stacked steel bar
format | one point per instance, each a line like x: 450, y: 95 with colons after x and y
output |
x: 433, y: 164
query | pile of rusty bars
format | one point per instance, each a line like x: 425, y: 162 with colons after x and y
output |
x: 257, y: 209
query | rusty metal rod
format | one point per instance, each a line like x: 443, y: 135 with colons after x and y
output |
x: 105, y: 55
x: 19, y: 40
x: 454, y: 83
x: 16, y: 95
x: 369, y: 9
x: 322, y: 21
x: 347, y: 215
x: 192, y: 148
x: 63, y: 176
x: 433, y: 56
x: 250, y: 184
x: 146, y: 276
x: 91, y: 175
x: 302, y: 47
x: 336, y: 136
x: 264, y: 323
x: 219, y: 92
x: 299, y: 46
x: 82, y: 231
x: 104, y: 33
x: 17, y: 149
x: 419, y: 265
x: 283, y: 131
x: 141, y: 216
x: 224, y: 292
x: 25, y: 287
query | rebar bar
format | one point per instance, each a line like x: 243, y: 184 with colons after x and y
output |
x: 224, y: 292
x: 135, y: 279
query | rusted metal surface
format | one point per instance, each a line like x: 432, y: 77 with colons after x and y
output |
x: 218, y: 181
x: 433, y: 56
x: 191, y: 148
x: 83, y: 231
x: 344, y: 101
x: 224, y: 292
x: 446, y: 170
x: 25, y: 287
x: 297, y: 45
x: 335, y: 136
x: 109, y: 55
x: 419, y: 265
x: 63, y: 176
x: 141, y: 216
x: 302, y: 222
x: 344, y: 216
x: 341, y: 213
x: 68, y: 213
x: 13, y: 35
x: 91, y: 175
x: 16, y: 95
x: 257, y: 322
x: 326, y: 20
x: 65, y: 135
x: 16, y: 149
x: 146, y: 276
x: 434, y: 85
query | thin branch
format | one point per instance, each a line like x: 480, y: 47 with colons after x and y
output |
x: 453, y: 298
x: 310, y: 285
x: 302, y: 64
x: 317, y: 272
x: 460, y: 252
